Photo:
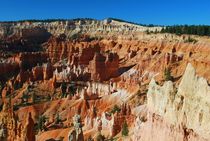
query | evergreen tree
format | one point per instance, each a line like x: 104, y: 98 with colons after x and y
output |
x: 33, y: 98
x: 115, y: 109
x: 208, y: 33
x: 125, y: 130
x: 201, y: 30
x: 25, y: 97
x: 100, y: 137
x: 41, y: 121
x: 57, y: 119
x: 72, y: 89
x: 63, y: 90
x: 167, y: 75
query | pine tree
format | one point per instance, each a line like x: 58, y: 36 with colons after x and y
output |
x: 167, y: 75
x: 41, y: 122
x: 100, y: 137
x: 125, y: 130
x: 201, y: 30
x: 33, y: 98
x: 57, y: 119
x: 115, y: 109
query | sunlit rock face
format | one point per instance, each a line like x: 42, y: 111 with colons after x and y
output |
x: 111, y: 124
x: 104, y: 67
x: 111, y: 73
x: 71, y: 27
x: 8, y: 124
x: 85, y: 56
x: 177, y: 114
x: 11, y: 129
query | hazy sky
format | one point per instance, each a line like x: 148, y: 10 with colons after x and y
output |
x: 163, y: 12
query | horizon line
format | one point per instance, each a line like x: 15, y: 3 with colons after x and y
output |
x: 74, y: 19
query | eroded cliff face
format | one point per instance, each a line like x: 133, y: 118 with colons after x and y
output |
x: 177, y: 114
x: 70, y: 27
x: 100, y: 71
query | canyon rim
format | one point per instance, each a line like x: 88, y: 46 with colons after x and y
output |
x: 103, y: 80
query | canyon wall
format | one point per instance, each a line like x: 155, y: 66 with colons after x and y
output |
x: 91, y: 67
x: 70, y: 27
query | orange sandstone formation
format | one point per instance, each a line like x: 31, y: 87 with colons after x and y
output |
x: 111, y: 72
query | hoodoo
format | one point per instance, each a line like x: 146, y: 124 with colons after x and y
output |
x: 92, y: 80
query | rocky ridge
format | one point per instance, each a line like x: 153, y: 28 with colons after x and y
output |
x: 71, y: 27
x: 177, y: 114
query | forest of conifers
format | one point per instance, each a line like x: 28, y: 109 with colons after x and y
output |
x: 201, y: 30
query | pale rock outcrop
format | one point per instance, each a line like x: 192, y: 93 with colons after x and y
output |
x: 136, y: 129
x: 70, y: 27
x: 178, y: 115
x: 77, y: 133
